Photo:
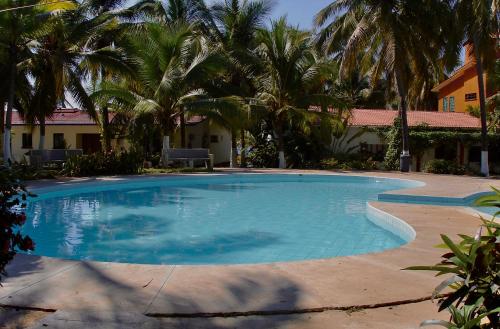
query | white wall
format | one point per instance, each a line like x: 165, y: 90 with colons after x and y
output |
x: 204, y: 131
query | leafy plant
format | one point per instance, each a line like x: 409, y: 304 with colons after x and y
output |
x: 439, y: 166
x: 473, y: 266
x: 354, y: 161
x: 263, y: 153
x: 110, y: 163
x: 394, y: 146
x: 13, y: 198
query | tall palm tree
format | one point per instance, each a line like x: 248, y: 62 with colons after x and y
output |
x: 169, y: 11
x: 288, y: 85
x: 172, y: 62
x: 60, y: 62
x: 172, y: 12
x: 391, y: 38
x: 237, y: 23
x: 478, y: 21
x: 17, y: 29
x: 111, y: 29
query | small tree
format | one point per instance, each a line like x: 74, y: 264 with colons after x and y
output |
x: 474, y: 275
x: 13, y: 198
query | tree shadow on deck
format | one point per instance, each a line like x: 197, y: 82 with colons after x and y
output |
x: 118, y: 295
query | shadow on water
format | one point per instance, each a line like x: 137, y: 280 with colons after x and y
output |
x: 166, y: 250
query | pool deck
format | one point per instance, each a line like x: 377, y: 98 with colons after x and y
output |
x: 247, y: 296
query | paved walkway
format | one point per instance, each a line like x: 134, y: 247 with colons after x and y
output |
x: 117, y: 293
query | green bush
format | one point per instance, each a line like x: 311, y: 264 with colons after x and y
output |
x: 13, y: 198
x: 263, y: 155
x: 473, y: 267
x: 438, y: 166
x: 348, y: 162
x: 98, y: 164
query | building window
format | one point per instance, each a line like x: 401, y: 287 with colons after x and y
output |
x: 445, y: 104
x: 59, y: 142
x: 27, y: 141
x: 214, y: 138
x: 452, y: 104
x: 470, y: 97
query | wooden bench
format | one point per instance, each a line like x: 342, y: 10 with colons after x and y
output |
x: 39, y: 158
x: 189, y: 156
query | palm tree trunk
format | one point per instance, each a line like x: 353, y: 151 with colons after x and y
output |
x: 281, y: 148
x: 404, y: 164
x: 482, y: 107
x: 183, y: 128
x: 233, y: 162
x: 7, y: 156
x: 243, y: 158
x: 2, y: 122
x: 166, y: 139
x: 41, y: 143
x: 106, y: 136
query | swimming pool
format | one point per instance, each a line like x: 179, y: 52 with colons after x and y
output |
x: 217, y: 219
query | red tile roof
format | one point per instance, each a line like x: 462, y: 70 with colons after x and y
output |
x: 359, y: 118
x: 79, y: 117
x: 382, y: 118
x: 61, y: 117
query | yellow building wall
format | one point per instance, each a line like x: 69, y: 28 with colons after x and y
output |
x: 459, y: 88
x: 72, y: 135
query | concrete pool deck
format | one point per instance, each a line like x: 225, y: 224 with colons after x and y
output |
x: 130, y: 291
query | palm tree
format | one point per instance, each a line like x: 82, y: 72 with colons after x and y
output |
x: 169, y: 11
x: 17, y: 29
x: 172, y: 62
x: 59, y: 65
x: 391, y: 40
x: 237, y: 23
x: 289, y: 83
x: 110, y: 29
x: 478, y: 22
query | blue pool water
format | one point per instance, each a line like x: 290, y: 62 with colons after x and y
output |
x: 228, y: 219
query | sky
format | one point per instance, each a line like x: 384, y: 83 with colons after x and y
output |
x: 298, y: 12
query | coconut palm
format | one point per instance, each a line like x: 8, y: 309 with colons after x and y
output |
x: 478, y: 22
x: 60, y: 65
x: 172, y: 62
x: 236, y: 25
x: 392, y: 40
x: 17, y: 29
x: 110, y: 29
x: 289, y: 83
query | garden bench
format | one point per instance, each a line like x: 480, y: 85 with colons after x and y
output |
x: 190, y: 155
x: 40, y: 158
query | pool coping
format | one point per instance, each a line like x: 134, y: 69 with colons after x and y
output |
x: 286, y: 287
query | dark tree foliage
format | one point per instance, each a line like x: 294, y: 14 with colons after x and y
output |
x: 13, y: 198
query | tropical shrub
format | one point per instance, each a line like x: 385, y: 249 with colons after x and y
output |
x: 263, y: 154
x: 473, y: 267
x: 355, y: 161
x: 438, y: 166
x: 13, y: 198
x: 394, y: 146
x: 110, y: 163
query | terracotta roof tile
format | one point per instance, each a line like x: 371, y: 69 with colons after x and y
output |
x: 381, y: 118
x: 360, y: 118
x: 61, y: 117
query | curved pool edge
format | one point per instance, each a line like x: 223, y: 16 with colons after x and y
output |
x: 431, y: 199
x: 289, y: 286
x: 53, y: 185
x: 391, y: 223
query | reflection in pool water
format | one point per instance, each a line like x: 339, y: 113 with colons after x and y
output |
x: 230, y: 219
